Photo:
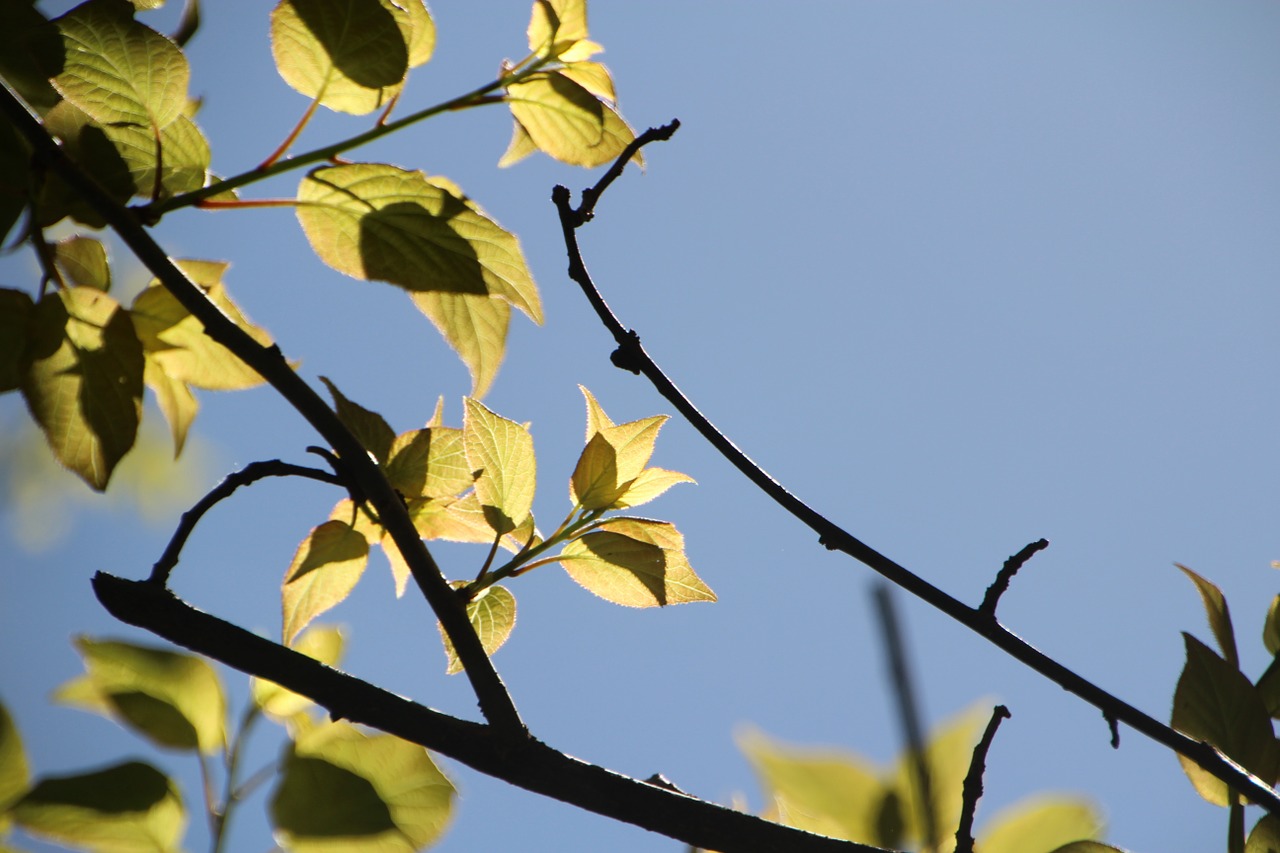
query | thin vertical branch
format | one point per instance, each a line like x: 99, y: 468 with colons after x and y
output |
x: 972, y: 790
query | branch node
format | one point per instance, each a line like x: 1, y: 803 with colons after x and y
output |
x: 1005, y: 575
x: 972, y: 789
x: 627, y: 355
x: 1114, y: 725
x: 658, y: 780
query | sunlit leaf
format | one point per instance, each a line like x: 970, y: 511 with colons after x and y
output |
x: 15, y: 775
x: 610, y: 472
x: 119, y: 71
x: 500, y: 453
x: 341, y: 789
x: 562, y: 118
x: 178, y: 405
x: 1213, y: 702
x: 176, y: 700
x: 373, y: 432
x: 322, y: 642
x: 1271, y: 630
x: 493, y: 614
x: 348, y: 54
x: 592, y: 76
x: 84, y: 383
x: 429, y: 462
x: 475, y: 326
x: 1215, y: 606
x: 15, y: 314
x: 324, y: 570
x: 83, y: 262
x: 1265, y: 836
x: 419, y: 30
x: 1040, y: 825
x: 556, y: 24
x: 125, y: 808
x: 177, y: 341
x: 651, y: 483
x: 635, y: 562
x: 520, y: 147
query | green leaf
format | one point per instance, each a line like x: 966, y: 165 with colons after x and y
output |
x: 15, y: 177
x: 610, y: 472
x: 324, y: 570
x: 1214, y: 703
x: 556, y: 24
x: 520, y: 147
x: 15, y: 315
x: 948, y: 753
x: 15, y: 775
x: 124, y: 808
x: 83, y: 261
x: 418, y: 29
x: 322, y: 642
x: 634, y: 562
x: 493, y: 614
x: 475, y: 326
x: 177, y: 342
x: 592, y: 76
x: 1041, y: 825
x: 30, y: 52
x: 119, y: 71
x: 350, y: 55
x: 341, y: 789
x: 1271, y: 630
x: 178, y: 405
x: 175, y: 700
x: 429, y: 463
x: 1215, y: 606
x: 500, y: 453
x: 824, y: 791
x: 374, y: 433
x: 1265, y: 836
x: 84, y: 384
x: 561, y: 117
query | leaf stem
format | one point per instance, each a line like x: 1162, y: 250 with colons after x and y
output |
x: 232, y: 794
x: 293, y: 135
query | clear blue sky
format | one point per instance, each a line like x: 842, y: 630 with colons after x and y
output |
x: 960, y: 275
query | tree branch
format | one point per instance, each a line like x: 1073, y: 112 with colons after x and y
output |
x: 631, y: 355
x: 1005, y: 575
x: 495, y: 703
x: 522, y: 761
x: 971, y: 791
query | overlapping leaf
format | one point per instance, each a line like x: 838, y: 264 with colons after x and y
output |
x: 175, y: 700
x: 564, y: 119
x: 376, y: 222
x: 370, y: 428
x: 1215, y: 606
x: 493, y: 615
x: 1042, y: 825
x: 341, y: 789
x: 124, y: 808
x: 83, y: 262
x: 83, y: 382
x: 15, y: 315
x: 1265, y: 836
x: 14, y: 772
x: 324, y: 570
x: 634, y: 562
x: 500, y: 453
x: 324, y: 643
x: 429, y: 462
x: 556, y: 25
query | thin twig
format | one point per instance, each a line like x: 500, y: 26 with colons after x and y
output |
x: 1006, y: 573
x: 250, y: 473
x: 591, y: 195
x: 908, y: 711
x: 972, y: 789
x: 632, y: 356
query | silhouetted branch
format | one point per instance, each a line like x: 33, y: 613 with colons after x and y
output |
x: 1006, y: 573
x: 631, y: 355
x: 583, y: 213
x: 519, y: 760
x: 972, y: 789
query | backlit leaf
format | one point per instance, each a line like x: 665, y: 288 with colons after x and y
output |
x: 493, y: 614
x: 176, y: 700
x: 1040, y: 825
x: 556, y: 24
x: 561, y: 117
x: 176, y: 340
x: 369, y: 427
x: 1271, y: 629
x: 15, y: 313
x: 429, y: 462
x: 84, y: 383
x: 610, y: 472
x: 1213, y: 702
x: 121, y: 809
x: 1215, y: 606
x: 651, y: 483
x: 178, y: 405
x: 119, y: 71
x: 322, y: 642
x: 592, y: 76
x: 1265, y: 836
x: 475, y: 326
x: 83, y: 262
x: 14, y: 772
x: 520, y: 147
x: 635, y: 562
x: 324, y: 570
x: 341, y: 789
x: 948, y: 754
x: 500, y: 453
x: 418, y: 29
x: 350, y: 55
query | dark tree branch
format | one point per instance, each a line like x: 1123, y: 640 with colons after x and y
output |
x: 908, y: 711
x: 520, y: 760
x: 583, y: 213
x: 632, y: 356
x: 1006, y: 573
x: 250, y: 473
x: 972, y: 789
x: 495, y: 702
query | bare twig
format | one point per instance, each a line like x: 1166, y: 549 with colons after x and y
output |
x: 1006, y: 573
x: 631, y: 355
x: 908, y: 711
x: 972, y: 789
x: 584, y: 211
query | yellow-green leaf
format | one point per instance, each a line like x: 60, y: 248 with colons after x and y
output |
x: 475, y: 326
x: 124, y: 808
x: 14, y: 773
x: 83, y: 262
x: 324, y: 570
x: 429, y: 462
x: 175, y: 700
x: 341, y: 789
x: 373, y: 432
x: 561, y: 117
x: 556, y: 24
x: 1214, y: 702
x: 610, y: 472
x: 1215, y: 606
x: 322, y: 642
x: 178, y: 405
x: 15, y: 315
x: 350, y: 55
x: 84, y: 383
x: 176, y: 340
x: 948, y: 754
x: 651, y: 483
x: 1040, y: 825
x: 500, y: 453
x: 1270, y: 630
x: 1265, y: 836
x: 119, y: 71
x: 634, y: 562
x: 418, y: 29
x: 493, y: 614
x: 592, y: 76
x: 520, y: 147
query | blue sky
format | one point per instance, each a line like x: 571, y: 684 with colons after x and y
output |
x: 960, y: 276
